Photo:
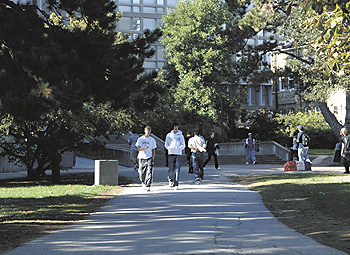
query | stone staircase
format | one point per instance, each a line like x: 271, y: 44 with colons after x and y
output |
x: 227, y: 160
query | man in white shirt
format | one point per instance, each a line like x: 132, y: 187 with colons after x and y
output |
x: 174, y: 143
x: 197, y: 146
x: 146, y: 145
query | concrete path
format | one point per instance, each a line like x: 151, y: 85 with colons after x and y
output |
x: 216, y: 217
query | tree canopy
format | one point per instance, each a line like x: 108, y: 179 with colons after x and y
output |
x: 67, y: 77
x: 207, y: 51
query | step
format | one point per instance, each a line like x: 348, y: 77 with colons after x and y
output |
x: 228, y: 160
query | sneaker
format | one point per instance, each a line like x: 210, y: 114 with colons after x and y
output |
x: 198, y: 181
x: 246, y: 163
x: 254, y: 162
x: 218, y: 168
x: 148, y: 189
x: 143, y: 186
x: 176, y: 187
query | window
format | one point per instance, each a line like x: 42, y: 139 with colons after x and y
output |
x: 160, y: 2
x: 265, y: 95
x: 149, y: 10
x: 125, y: 24
x: 136, y: 9
x: 150, y: 23
x: 136, y: 1
x: 172, y: 3
x: 149, y: 2
x: 335, y: 110
x: 125, y: 2
x: 160, y: 52
x: 136, y: 24
x: 283, y: 83
x: 150, y: 64
x: 160, y: 10
x: 123, y: 8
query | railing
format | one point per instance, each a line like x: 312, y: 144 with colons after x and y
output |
x: 113, y: 151
x: 265, y: 148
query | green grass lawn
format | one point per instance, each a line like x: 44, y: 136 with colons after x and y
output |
x: 320, y: 152
x: 316, y: 205
x: 32, y: 208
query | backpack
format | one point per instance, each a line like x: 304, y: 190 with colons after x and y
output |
x: 305, y: 140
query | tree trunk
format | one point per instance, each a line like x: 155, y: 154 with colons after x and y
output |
x: 56, y: 169
x: 330, y: 118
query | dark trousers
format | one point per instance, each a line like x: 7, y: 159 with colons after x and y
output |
x: 146, y: 171
x: 346, y: 164
x: 174, y: 162
x: 189, y: 161
x: 212, y: 154
x: 197, y: 163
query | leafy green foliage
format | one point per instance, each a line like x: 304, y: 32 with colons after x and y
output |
x: 67, y: 78
x: 321, y: 135
x: 209, y: 57
x: 333, y: 22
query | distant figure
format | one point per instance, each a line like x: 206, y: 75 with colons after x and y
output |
x: 294, y: 148
x: 146, y: 145
x: 197, y: 146
x: 345, y: 149
x: 212, y: 146
x: 174, y: 143
x: 188, y: 153
x: 249, y: 149
x: 303, y: 141
x: 133, y: 150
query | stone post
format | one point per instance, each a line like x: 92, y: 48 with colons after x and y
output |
x: 106, y: 172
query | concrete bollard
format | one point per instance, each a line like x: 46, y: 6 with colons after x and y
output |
x: 106, y: 172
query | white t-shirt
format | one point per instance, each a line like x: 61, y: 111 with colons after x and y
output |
x: 197, y: 142
x: 143, y: 142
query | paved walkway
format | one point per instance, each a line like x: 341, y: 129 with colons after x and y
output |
x: 216, y: 217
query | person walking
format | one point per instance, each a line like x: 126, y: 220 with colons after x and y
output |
x: 133, y: 149
x: 212, y: 147
x: 294, y: 148
x: 174, y: 144
x: 345, y: 149
x: 188, y: 153
x: 303, y: 145
x: 146, y: 145
x: 249, y: 149
x: 197, y: 146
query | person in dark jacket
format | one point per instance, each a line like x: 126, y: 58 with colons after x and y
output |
x: 212, y: 147
x: 345, y: 153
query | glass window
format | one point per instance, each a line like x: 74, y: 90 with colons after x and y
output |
x: 149, y: 2
x: 172, y: 3
x: 283, y: 83
x: 150, y: 64
x: 265, y: 95
x: 136, y: 9
x: 125, y: 24
x: 149, y: 9
x: 124, y: 1
x: 136, y: 1
x: 160, y: 2
x: 150, y: 23
x: 136, y: 24
x: 124, y: 8
x: 160, y: 10
x: 160, y: 65
x: 160, y: 52
x: 251, y: 42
